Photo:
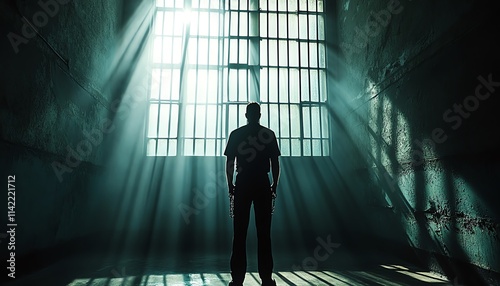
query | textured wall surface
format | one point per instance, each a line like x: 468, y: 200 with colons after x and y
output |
x: 54, y: 90
x: 418, y: 123
x: 55, y: 80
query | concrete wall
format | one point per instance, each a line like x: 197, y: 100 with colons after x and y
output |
x: 55, y: 88
x: 424, y: 170
x: 54, y: 82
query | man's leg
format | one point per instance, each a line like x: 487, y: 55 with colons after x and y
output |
x: 242, y: 203
x: 263, y: 206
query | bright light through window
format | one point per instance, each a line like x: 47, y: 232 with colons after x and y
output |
x: 210, y: 59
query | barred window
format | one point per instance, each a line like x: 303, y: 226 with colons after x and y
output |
x: 210, y: 58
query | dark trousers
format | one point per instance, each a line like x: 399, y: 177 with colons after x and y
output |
x: 247, y: 192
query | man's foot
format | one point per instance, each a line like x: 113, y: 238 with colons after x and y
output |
x: 269, y: 283
x: 235, y: 284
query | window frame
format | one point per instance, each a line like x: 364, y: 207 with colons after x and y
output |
x: 253, y: 70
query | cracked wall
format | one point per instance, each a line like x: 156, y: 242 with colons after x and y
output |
x: 411, y: 83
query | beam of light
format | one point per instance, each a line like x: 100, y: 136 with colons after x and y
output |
x: 146, y: 198
x: 131, y: 199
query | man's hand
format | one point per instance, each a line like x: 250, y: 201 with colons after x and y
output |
x: 273, y: 190
x: 275, y: 168
x: 229, y: 174
x: 231, y: 189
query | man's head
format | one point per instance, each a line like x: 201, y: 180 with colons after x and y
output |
x: 253, y: 112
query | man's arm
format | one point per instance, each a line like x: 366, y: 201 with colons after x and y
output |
x: 275, y: 168
x: 230, y: 173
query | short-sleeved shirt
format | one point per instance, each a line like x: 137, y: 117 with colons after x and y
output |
x: 252, y: 145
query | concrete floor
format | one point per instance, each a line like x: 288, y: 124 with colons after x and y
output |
x: 341, y: 268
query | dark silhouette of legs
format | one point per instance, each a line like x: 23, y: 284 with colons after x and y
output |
x: 261, y: 197
x: 262, y: 208
x: 242, y: 203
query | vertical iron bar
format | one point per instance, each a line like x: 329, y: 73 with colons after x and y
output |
x: 278, y: 70
x: 301, y: 106
x: 288, y: 81
x: 196, y: 81
x: 171, y: 89
x: 309, y: 77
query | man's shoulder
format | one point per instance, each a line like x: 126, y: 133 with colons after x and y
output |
x: 248, y: 129
x: 238, y: 131
x: 266, y: 133
x: 268, y: 130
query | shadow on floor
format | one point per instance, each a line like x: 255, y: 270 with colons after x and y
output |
x: 341, y: 268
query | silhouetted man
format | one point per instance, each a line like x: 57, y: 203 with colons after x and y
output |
x: 256, y: 151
